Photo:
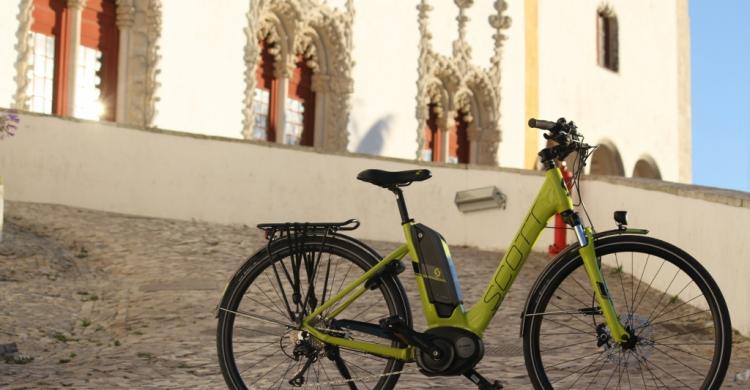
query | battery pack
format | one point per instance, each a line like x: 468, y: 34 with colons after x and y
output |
x: 437, y: 270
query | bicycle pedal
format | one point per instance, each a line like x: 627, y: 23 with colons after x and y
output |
x: 482, y: 382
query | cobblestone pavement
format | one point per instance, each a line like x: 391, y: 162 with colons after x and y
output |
x: 101, y: 300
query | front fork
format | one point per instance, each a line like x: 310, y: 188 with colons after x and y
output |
x: 593, y: 270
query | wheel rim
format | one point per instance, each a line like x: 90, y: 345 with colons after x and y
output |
x: 263, y: 346
x: 667, y: 306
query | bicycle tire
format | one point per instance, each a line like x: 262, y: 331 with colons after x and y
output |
x: 358, y: 255
x: 640, y: 360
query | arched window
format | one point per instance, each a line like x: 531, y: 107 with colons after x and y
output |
x: 300, y: 106
x: 606, y: 161
x: 458, y: 141
x: 646, y: 167
x: 95, y: 62
x: 432, y: 136
x: 608, y: 47
x: 311, y: 45
x: 265, y: 96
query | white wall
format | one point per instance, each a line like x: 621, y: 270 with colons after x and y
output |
x: 175, y: 175
x: 635, y: 108
x: 385, y: 38
x: 202, y: 66
x: 8, y: 27
x: 513, y: 90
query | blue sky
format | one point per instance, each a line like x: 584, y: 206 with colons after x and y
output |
x: 720, y: 35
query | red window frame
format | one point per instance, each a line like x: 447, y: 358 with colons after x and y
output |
x: 458, y: 140
x: 300, y: 89
x: 264, y: 79
x: 433, y: 138
x: 99, y: 31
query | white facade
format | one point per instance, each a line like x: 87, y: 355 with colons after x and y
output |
x: 202, y: 60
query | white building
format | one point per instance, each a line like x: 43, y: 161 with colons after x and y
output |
x: 441, y: 80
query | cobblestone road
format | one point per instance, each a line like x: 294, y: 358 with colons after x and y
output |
x: 101, y: 300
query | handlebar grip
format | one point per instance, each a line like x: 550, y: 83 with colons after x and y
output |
x: 541, y: 124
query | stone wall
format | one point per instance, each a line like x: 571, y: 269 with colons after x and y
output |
x: 176, y: 175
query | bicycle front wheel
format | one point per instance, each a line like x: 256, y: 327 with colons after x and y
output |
x: 260, y: 344
x: 673, y: 309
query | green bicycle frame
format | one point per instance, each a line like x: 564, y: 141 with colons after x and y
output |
x: 552, y: 198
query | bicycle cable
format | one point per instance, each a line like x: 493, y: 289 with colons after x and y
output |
x: 579, y: 164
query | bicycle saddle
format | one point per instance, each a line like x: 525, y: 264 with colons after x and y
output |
x: 388, y: 179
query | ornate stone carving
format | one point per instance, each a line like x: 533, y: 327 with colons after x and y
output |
x: 455, y: 85
x: 322, y: 36
x: 125, y: 14
x: 24, y: 50
x: 143, y: 58
x: 606, y: 9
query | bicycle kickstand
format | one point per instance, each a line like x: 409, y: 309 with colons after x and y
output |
x: 482, y: 382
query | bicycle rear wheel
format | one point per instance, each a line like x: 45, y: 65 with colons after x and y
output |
x: 665, y: 298
x: 258, y: 338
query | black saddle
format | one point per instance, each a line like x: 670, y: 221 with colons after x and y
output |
x: 388, y: 179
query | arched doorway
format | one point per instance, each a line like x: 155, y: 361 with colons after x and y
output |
x: 646, y: 168
x: 606, y: 161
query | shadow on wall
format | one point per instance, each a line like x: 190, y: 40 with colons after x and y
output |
x: 374, y: 140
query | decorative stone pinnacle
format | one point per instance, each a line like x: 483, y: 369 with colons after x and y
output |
x: 462, y: 18
x: 423, y: 7
x: 499, y: 21
x: 463, y: 4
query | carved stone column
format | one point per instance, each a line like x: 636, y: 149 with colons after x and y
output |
x: 125, y: 21
x: 321, y: 86
x: 25, y: 52
x: 75, y: 11
x: 281, y: 96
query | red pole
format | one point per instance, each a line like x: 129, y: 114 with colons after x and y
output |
x: 560, y: 229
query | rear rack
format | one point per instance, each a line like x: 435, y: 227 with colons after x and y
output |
x: 302, y: 258
x: 302, y: 228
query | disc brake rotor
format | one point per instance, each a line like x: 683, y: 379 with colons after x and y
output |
x: 644, y: 346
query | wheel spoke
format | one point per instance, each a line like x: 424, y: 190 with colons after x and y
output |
x: 670, y: 374
x: 648, y: 319
x: 640, y: 279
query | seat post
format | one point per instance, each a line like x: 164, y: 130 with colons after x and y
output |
x: 401, y: 204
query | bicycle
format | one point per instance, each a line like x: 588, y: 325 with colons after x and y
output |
x: 317, y: 308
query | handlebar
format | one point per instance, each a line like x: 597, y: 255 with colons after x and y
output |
x: 564, y: 134
x: 541, y: 124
